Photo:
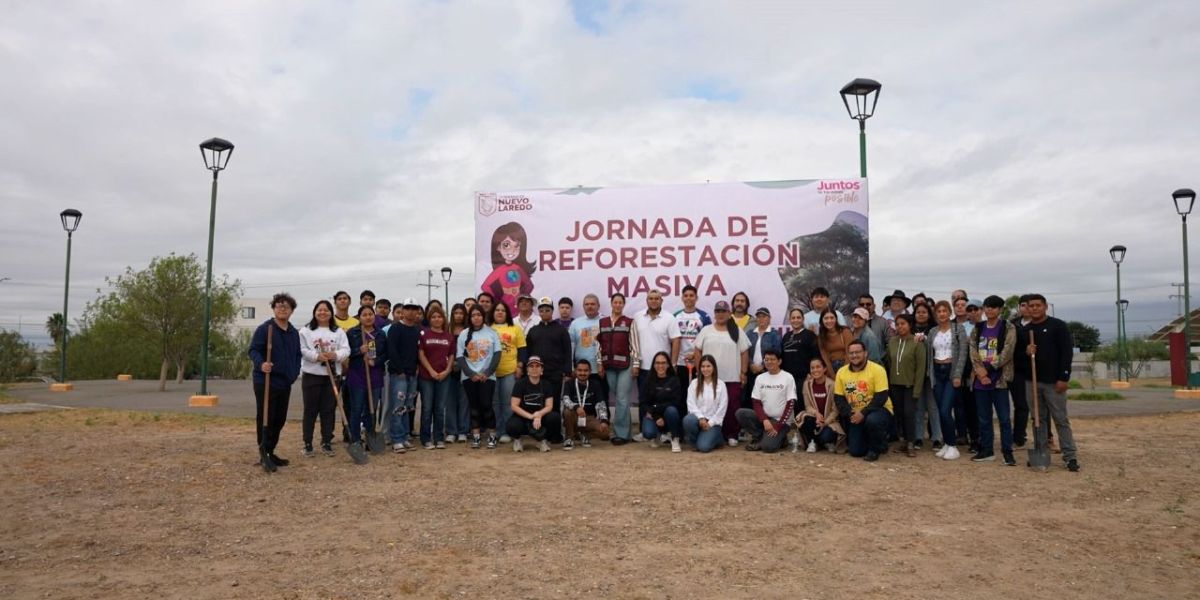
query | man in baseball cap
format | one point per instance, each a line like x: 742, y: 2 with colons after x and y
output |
x: 525, y: 318
x: 551, y: 343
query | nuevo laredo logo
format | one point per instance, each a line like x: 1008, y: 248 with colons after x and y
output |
x: 839, y: 192
x: 489, y: 204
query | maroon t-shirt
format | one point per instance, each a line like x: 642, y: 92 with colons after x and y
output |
x: 820, y: 396
x: 438, y: 347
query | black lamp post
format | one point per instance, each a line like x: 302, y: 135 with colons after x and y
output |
x: 865, y: 93
x: 1184, y: 200
x: 1118, y: 255
x: 70, y: 222
x: 446, y: 273
x: 216, y: 153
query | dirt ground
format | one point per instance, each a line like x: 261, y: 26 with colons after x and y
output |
x: 104, y: 504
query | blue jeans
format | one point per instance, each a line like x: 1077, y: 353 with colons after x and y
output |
x: 869, y: 436
x: 943, y: 393
x: 671, y: 419
x: 620, y: 382
x: 433, y: 409
x: 357, y: 410
x: 402, y: 398
x: 458, y: 416
x: 985, y: 401
x: 927, y: 408
x: 502, y: 402
x: 702, y: 441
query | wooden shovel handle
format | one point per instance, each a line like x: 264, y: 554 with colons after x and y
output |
x: 1034, y: 387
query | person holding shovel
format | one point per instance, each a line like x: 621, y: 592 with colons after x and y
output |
x: 322, y: 345
x: 364, y: 379
x: 275, y: 355
x: 1051, y: 351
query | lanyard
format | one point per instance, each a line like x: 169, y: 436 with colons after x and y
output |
x: 585, y: 391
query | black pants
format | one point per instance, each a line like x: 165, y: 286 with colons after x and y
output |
x: 479, y: 399
x: 904, y: 406
x: 277, y: 407
x: 965, y: 415
x: 1020, y: 421
x: 551, y: 428
x: 808, y: 432
x: 317, y: 392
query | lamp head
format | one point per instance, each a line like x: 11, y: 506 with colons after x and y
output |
x: 865, y: 93
x: 70, y: 219
x: 446, y: 272
x: 216, y: 153
x: 1184, y: 199
x: 1117, y: 253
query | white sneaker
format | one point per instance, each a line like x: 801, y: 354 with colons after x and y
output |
x: 637, y: 437
x: 462, y: 438
x: 812, y: 447
x: 664, y: 439
x: 941, y: 453
x: 653, y: 442
x: 951, y: 453
x: 398, y: 448
x: 732, y: 442
x: 450, y: 439
x: 545, y: 446
x: 675, y: 445
x: 518, y: 446
x: 504, y: 439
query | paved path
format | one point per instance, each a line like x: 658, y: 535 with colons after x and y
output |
x: 237, y: 400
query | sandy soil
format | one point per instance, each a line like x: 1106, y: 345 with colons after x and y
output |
x: 103, y: 504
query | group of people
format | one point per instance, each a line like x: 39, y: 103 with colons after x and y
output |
x: 487, y: 373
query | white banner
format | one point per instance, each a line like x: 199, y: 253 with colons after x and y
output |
x: 774, y: 241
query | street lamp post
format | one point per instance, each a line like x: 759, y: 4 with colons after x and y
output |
x: 1184, y: 200
x: 216, y: 153
x: 865, y: 93
x: 446, y: 273
x: 70, y: 222
x: 1118, y: 255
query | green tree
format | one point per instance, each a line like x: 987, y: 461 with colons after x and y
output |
x: 54, y: 328
x: 1011, y: 304
x: 1087, y: 338
x: 1141, y: 351
x: 835, y: 259
x: 17, y: 357
x: 160, y: 310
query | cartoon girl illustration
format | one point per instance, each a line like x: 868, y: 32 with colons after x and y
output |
x: 511, y: 270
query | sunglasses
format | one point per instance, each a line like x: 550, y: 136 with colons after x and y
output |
x: 866, y: 304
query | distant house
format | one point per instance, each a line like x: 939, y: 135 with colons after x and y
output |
x: 251, y: 312
x: 1177, y: 325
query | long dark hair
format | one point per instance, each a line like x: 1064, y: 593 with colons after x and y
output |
x: 471, y: 328
x: 929, y: 323
x: 313, y: 325
x: 670, y: 367
x: 508, y: 318
x: 512, y: 230
x: 700, y: 375
x: 837, y: 327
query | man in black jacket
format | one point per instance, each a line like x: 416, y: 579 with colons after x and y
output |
x: 1052, y: 350
x: 550, y: 341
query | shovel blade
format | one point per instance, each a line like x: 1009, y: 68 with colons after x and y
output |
x: 377, y: 441
x: 357, y: 453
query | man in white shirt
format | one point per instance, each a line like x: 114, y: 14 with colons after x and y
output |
x: 657, y: 332
x: 819, y: 301
x: 774, y: 398
x: 690, y: 321
x: 525, y: 318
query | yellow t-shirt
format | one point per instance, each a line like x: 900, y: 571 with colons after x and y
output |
x: 741, y: 321
x: 859, y: 387
x: 346, y: 324
x: 511, y: 337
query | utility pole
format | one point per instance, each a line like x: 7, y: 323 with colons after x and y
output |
x: 428, y: 286
x: 1178, y: 295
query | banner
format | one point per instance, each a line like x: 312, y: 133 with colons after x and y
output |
x: 775, y: 241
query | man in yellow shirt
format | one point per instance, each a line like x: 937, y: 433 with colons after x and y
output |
x: 861, y: 391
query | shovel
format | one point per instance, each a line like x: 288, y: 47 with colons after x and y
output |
x: 355, y: 450
x: 264, y: 457
x: 375, y: 439
x: 1039, y: 455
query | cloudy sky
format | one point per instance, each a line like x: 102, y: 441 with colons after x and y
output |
x: 1014, y: 142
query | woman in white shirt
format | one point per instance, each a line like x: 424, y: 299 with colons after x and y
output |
x: 322, y: 346
x: 729, y: 346
x: 707, y: 403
